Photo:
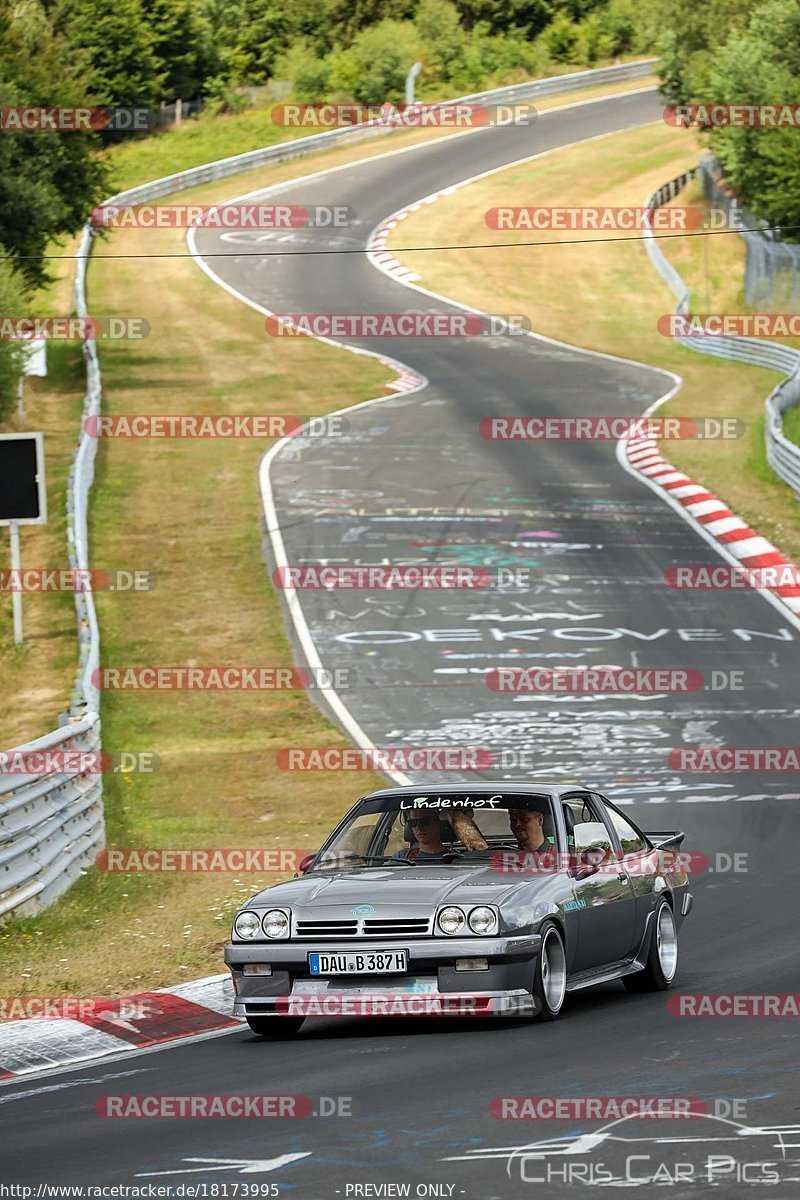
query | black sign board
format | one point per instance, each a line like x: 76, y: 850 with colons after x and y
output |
x: 23, y: 499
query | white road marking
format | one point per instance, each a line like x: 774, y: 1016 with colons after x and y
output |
x: 60, y: 1087
x: 243, y: 1166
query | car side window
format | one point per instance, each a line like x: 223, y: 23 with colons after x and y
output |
x: 585, y: 824
x: 630, y: 839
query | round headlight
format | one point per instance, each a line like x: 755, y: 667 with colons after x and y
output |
x: 482, y: 920
x: 451, y: 920
x: 275, y: 924
x: 247, y: 925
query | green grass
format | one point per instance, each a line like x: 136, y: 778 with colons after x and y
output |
x: 196, y: 141
x: 791, y: 425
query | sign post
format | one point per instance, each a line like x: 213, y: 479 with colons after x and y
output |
x: 16, y: 594
x: 23, y: 501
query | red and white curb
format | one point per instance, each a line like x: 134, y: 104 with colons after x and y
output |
x: 718, y: 522
x: 406, y: 381
x: 376, y: 246
x: 137, y: 1022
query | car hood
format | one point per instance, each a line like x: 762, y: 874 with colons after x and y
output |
x: 397, y: 890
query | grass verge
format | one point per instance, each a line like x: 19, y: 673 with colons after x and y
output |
x: 604, y: 295
x: 36, y: 677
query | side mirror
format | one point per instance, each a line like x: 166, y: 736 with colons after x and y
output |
x: 305, y: 863
x: 590, y: 854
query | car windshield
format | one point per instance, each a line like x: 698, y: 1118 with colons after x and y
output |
x: 405, y: 829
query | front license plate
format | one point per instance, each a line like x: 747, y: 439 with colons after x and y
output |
x: 367, y: 962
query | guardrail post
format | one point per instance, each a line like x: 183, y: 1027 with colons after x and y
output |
x: 16, y: 593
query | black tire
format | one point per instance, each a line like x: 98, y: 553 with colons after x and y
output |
x: 550, y: 982
x: 662, y: 956
x: 275, y: 1027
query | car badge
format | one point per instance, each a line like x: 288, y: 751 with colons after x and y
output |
x: 363, y: 910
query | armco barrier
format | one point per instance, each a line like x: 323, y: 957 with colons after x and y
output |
x: 53, y: 826
x: 223, y: 168
x: 783, y: 456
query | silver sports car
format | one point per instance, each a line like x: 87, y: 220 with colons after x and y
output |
x: 465, y: 901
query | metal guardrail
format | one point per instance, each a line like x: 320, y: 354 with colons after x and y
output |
x: 315, y: 142
x: 782, y: 455
x: 52, y: 826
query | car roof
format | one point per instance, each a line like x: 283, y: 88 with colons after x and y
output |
x: 532, y: 787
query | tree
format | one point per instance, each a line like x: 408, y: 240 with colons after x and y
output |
x: 113, y: 40
x: 527, y: 17
x: 249, y: 35
x: 49, y: 181
x: 184, y: 45
x: 444, y: 39
x: 725, y: 54
x: 686, y: 35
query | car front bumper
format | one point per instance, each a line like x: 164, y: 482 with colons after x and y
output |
x: 432, y: 985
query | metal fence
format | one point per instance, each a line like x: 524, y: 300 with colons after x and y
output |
x: 772, y: 266
x: 51, y: 826
x: 783, y: 456
x: 51, y: 821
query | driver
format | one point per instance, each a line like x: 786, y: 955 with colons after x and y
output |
x: 527, y: 826
x: 426, y: 827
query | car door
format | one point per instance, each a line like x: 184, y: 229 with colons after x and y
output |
x: 639, y: 860
x: 605, y: 899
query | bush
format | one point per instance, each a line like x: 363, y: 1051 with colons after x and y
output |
x: 310, y: 76
x: 593, y: 42
x: 438, y: 24
x: 560, y: 39
x: 622, y: 22
x: 225, y: 96
x: 381, y: 56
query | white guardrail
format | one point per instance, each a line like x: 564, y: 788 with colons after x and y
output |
x: 51, y: 826
x: 783, y: 456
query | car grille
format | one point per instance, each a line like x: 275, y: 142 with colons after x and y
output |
x: 326, y: 928
x: 395, y: 926
x: 378, y: 927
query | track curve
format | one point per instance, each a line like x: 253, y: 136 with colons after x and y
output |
x: 412, y: 471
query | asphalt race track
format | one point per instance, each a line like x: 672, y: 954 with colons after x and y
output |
x: 413, y: 481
